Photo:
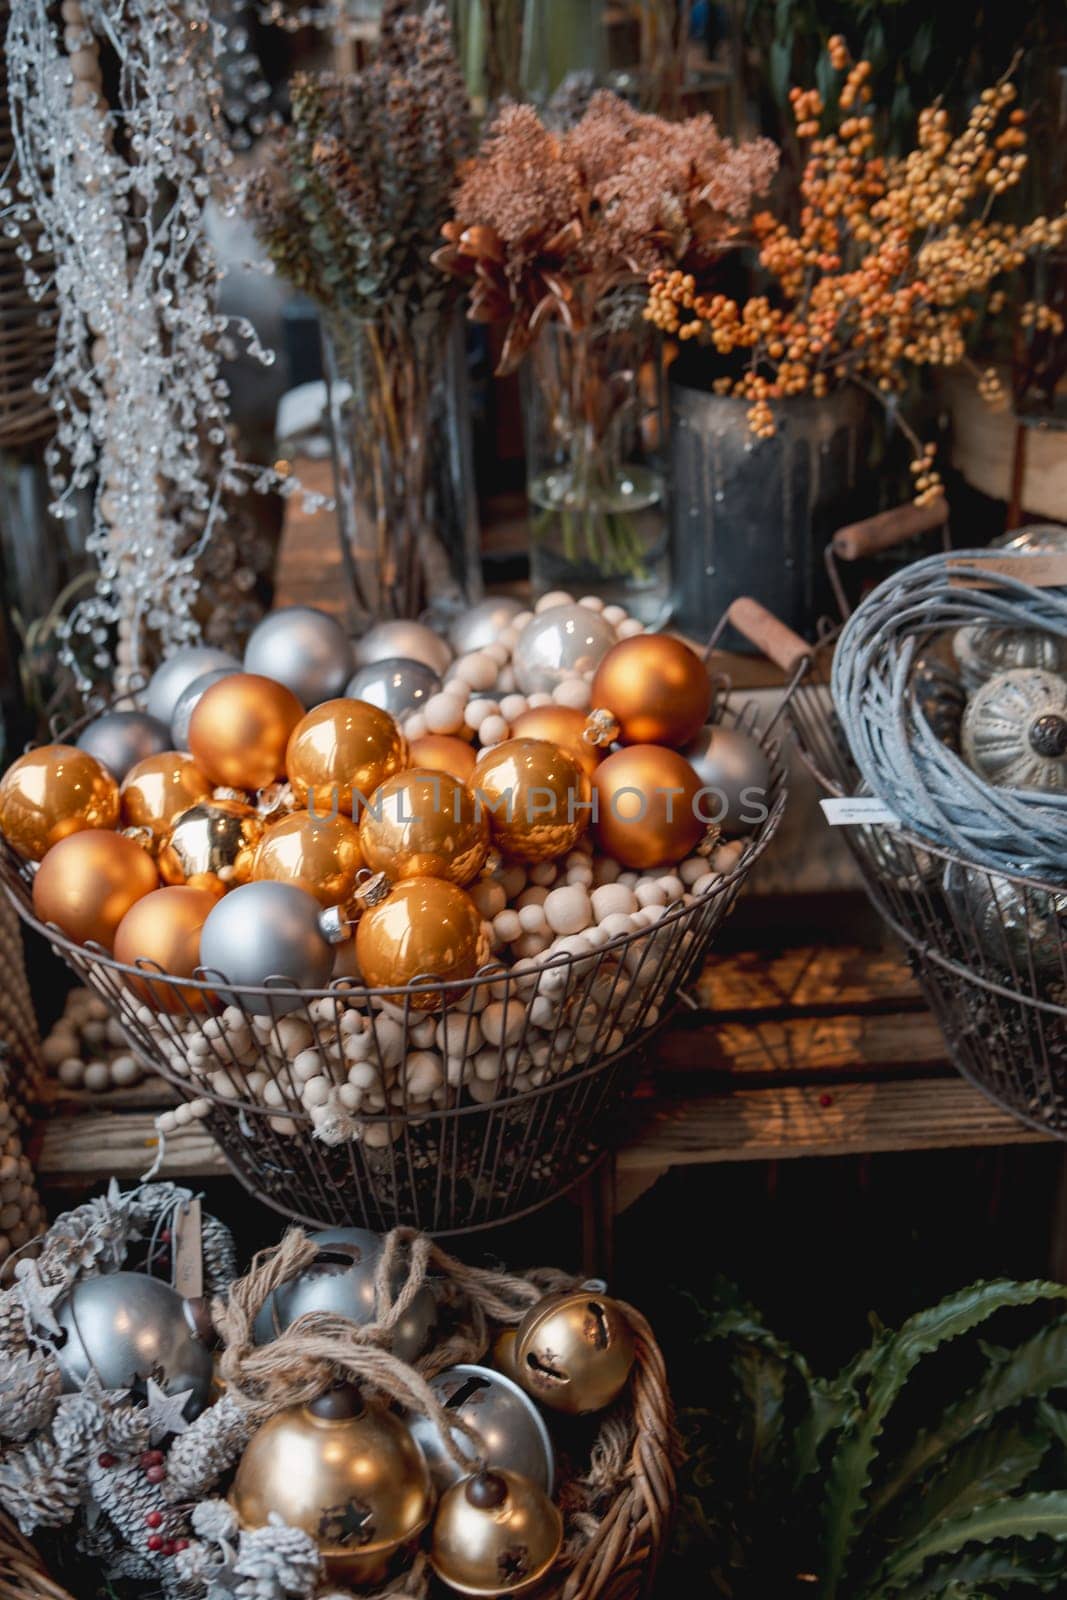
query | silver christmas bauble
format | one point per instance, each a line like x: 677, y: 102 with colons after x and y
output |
x: 483, y: 623
x: 1016, y: 929
x: 1014, y: 731
x: 128, y: 1328
x: 983, y: 650
x: 119, y: 739
x: 188, y: 701
x: 303, y: 648
x: 177, y: 672
x: 394, y: 685
x: 267, y: 931
x: 733, y: 766
x: 563, y: 642
x: 342, y: 1280
x: 510, y: 1429
x: 402, y: 640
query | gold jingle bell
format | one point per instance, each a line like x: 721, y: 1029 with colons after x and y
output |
x: 211, y: 846
x: 347, y: 1473
x: 574, y: 1351
x: 495, y: 1533
x: 502, y: 1355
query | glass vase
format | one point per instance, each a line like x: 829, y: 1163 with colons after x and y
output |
x: 593, y: 411
x: 398, y: 409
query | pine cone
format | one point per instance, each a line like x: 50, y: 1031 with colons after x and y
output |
x: 215, y: 1521
x: 41, y: 1485
x: 209, y: 1447
x: 29, y: 1389
x: 126, y: 1427
x: 277, y: 1562
x: 125, y: 1494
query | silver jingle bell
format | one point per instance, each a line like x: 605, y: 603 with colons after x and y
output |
x: 119, y: 739
x: 402, y: 640
x: 563, y: 642
x: 342, y: 1281
x: 510, y: 1429
x: 267, y: 931
x: 303, y: 648
x: 188, y: 701
x: 483, y: 623
x: 394, y: 685
x: 735, y: 769
x: 127, y: 1328
x: 177, y: 672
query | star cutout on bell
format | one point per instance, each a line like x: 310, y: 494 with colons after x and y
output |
x: 166, y: 1412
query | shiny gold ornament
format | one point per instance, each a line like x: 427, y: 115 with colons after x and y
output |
x: 574, y: 1351
x: 656, y: 688
x: 87, y: 883
x: 649, y: 813
x: 347, y: 1473
x: 319, y: 854
x: 536, y: 797
x: 51, y: 792
x: 160, y: 788
x: 164, y: 928
x: 502, y: 1354
x: 495, y: 1533
x: 564, y: 726
x: 211, y: 846
x: 339, y: 754
x: 424, y: 825
x: 240, y: 728
x: 443, y: 752
x: 424, y: 928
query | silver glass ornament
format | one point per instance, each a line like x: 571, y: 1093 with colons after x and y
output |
x: 563, y: 642
x: 404, y: 640
x: 342, y: 1281
x: 303, y: 648
x: 188, y: 701
x: 177, y: 672
x: 483, y: 623
x: 119, y: 739
x: 127, y: 1328
x: 1014, y: 731
x: 511, y: 1431
x: 394, y: 685
x: 735, y: 768
x: 1017, y: 929
x: 267, y: 931
x: 984, y: 649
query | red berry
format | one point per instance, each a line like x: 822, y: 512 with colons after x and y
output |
x: 155, y: 1541
x: 154, y: 1519
x: 169, y: 1548
x: 105, y: 1459
x: 180, y: 1544
x: 152, y: 1458
x: 156, y: 1474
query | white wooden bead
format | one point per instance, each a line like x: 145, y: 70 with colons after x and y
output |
x: 513, y: 879
x: 615, y: 615
x: 377, y: 1135
x: 506, y: 926
x: 582, y: 875
x: 444, y: 713
x: 727, y: 856
x: 97, y: 1076
x: 316, y: 1092
x: 537, y: 699
x: 609, y: 898
x: 544, y: 873
x: 125, y: 1070
x: 422, y: 1073
x: 503, y: 1021
x: 692, y: 868
x: 350, y: 1097
x: 306, y: 1065
x: 568, y: 909
x: 294, y: 1035
x: 478, y: 710
x: 543, y: 1013
x: 489, y: 896
x: 481, y: 1092
x: 183, y: 1115
x: 486, y: 1066
x: 71, y: 1071
x: 358, y: 1046
x: 520, y: 619
x: 477, y: 670
x: 672, y: 886
x: 531, y: 918
x: 706, y: 883
x: 364, y: 1075
x: 630, y: 879
x: 415, y: 725
x: 555, y: 597
x: 274, y: 1095
x: 493, y: 730
x: 630, y: 628
x: 59, y: 1047
x: 650, y: 892
x: 617, y: 923
x: 591, y: 602
x: 512, y: 706
x: 505, y: 683
x: 577, y: 693
x: 498, y: 651
x: 390, y: 1037
x: 605, y: 869
x: 458, y: 1035
x: 422, y: 1033
x: 458, y: 1071
x: 532, y: 944
x: 596, y: 937
x: 534, y: 894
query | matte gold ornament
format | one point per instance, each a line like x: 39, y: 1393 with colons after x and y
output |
x: 339, y: 754
x: 502, y: 1354
x: 424, y: 928
x: 319, y: 854
x: 347, y: 1473
x: 536, y: 796
x: 656, y: 688
x: 211, y: 846
x: 51, y: 792
x: 240, y: 728
x: 574, y: 1351
x: 160, y: 788
x: 443, y: 752
x: 164, y: 928
x: 564, y: 726
x: 495, y: 1533
x: 649, y: 810
x: 424, y: 824
x: 87, y: 883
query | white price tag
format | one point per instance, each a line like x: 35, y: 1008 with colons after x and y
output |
x: 864, y: 810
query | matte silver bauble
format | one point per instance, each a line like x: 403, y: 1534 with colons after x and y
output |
x: 731, y: 764
x: 303, y: 648
x: 177, y: 672
x: 188, y: 701
x: 342, y: 1280
x: 119, y: 739
x: 510, y: 1429
x: 984, y: 649
x: 1014, y: 731
x: 562, y: 642
x: 1013, y: 929
x: 403, y: 640
x: 267, y: 931
x: 483, y: 623
x: 128, y: 1328
x: 394, y: 685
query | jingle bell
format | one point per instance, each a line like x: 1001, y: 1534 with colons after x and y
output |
x: 495, y: 1533
x: 509, y: 1429
x: 347, y: 1473
x: 503, y: 1354
x: 574, y: 1351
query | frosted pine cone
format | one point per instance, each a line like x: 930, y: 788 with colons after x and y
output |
x: 209, y: 1447
x: 40, y: 1485
x: 276, y: 1562
x: 29, y: 1389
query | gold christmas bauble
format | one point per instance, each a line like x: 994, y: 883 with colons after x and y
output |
x: 240, y: 728
x: 424, y: 825
x: 574, y: 1351
x: 339, y: 754
x: 160, y: 788
x: 536, y: 797
x: 502, y: 1354
x: 319, y: 854
x: 51, y: 792
x: 564, y: 726
x: 648, y: 814
x: 87, y: 883
x: 656, y: 688
x: 346, y: 1472
x: 495, y: 1533
x: 424, y: 928
x: 164, y: 928
x: 443, y: 752
x: 211, y: 846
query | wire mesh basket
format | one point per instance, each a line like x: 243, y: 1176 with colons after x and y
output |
x: 988, y: 947
x: 528, y: 1070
